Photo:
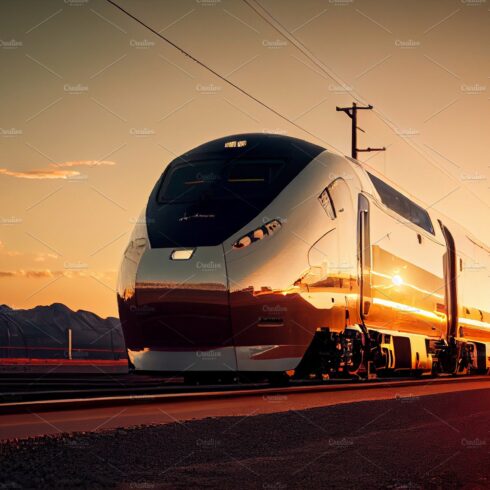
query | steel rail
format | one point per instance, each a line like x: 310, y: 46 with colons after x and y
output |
x: 205, y: 394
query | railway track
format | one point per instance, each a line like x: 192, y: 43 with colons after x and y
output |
x: 359, y: 435
x: 132, y: 390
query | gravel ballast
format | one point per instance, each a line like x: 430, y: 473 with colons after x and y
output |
x: 435, y: 441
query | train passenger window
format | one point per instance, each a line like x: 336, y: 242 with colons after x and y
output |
x: 402, y: 205
x: 327, y: 204
x: 327, y: 200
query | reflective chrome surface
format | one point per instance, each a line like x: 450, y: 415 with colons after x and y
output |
x: 257, y: 307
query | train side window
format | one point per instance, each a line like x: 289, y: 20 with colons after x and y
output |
x: 327, y: 203
x: 402, y: 205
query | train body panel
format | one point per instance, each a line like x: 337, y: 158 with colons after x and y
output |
x: 285, y: 257
x: 473, y: 266
x: 277, y: 303
x: 407, y: 276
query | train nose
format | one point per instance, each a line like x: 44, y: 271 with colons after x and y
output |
x: 182, y: 302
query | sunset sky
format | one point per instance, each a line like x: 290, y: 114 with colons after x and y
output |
x: 94, y: 106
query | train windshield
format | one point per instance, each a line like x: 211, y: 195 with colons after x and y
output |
x: 213, y: 191
x: 218, y: 180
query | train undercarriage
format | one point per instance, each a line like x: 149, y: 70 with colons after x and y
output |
x: 352, y: 354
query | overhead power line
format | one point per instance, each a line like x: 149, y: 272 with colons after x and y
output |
x: 221, y: 77
x: 269, y: 18
x: 281, y: 29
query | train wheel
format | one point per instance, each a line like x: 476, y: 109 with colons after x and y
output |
x: 131, y: 367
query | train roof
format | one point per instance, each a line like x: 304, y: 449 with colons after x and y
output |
x: 464, y: 238
x: 267, y: 145
x: 253, y: 144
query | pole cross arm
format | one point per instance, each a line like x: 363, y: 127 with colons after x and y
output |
x: 371, y: 149
x: 352, y: 113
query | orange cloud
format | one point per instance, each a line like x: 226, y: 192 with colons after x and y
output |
x: 7, y: 274
x: 39, y: 174
x: 43, y: 273
x: 33, y: 273
x: 54, y: 172
x: 83, y: 163
x: 39, y: 273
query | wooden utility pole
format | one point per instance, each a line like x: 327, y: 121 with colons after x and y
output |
x: 352, y: 113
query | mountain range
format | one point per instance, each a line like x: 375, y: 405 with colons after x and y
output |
x: 43, y: 332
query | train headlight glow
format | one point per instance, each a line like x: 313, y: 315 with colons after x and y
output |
x: 182, y: 254
x: 266, y: 230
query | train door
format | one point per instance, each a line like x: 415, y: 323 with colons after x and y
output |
x: 364, y: 257
x: 450, y: 278
x: 344, y: 214
x: 407, y: 277
x: 344, y: 270
x: 332, y: 279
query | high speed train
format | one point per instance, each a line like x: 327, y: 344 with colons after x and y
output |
x: 262, y: 255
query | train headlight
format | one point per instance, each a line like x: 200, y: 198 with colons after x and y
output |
x: 254, y: 236
x: 182, y: 254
